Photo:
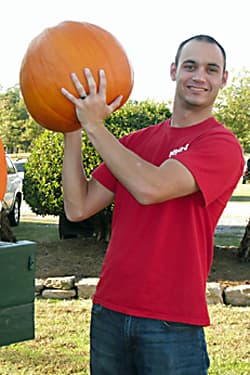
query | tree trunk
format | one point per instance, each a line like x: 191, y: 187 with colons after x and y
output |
x: 244, y: 248
x: 6, y: 234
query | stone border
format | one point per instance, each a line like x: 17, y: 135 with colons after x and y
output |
x: 67, y: 288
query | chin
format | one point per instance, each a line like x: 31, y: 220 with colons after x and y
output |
x: 196, y: 103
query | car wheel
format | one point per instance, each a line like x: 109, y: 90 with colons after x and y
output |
x: 14, y: 215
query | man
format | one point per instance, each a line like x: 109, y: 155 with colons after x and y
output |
x: 170, y: 183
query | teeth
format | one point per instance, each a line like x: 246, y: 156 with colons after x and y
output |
x: 197, y: 89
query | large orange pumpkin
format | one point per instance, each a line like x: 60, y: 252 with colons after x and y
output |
x: 3, y: 172
x: 60, y: 50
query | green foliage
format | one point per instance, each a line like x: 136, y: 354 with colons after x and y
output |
x: 17, y: 128
x: 136, y: 115
x: 232, y: 108
x: 42, y: 183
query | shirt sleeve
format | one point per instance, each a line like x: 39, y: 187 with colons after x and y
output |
x: 216, y: 162
x: 103, y: 175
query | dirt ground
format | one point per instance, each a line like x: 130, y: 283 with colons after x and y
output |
x: 83, y: 258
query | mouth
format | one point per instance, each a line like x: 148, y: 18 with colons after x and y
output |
x: 197, y: 89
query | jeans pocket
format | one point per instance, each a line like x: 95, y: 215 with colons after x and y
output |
x: 175, y: 326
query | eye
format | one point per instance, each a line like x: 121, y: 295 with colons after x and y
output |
x: 212, y: 69
x: 188, y: 67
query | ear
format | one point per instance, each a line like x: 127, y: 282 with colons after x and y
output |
x: 224, y: 79
x: 173, y: 72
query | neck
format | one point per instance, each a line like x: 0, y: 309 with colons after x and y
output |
x: 188, y: 117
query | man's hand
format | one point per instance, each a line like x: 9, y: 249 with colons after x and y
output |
x: 91, y: 109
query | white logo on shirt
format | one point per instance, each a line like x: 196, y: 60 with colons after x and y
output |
x: 178, y: 150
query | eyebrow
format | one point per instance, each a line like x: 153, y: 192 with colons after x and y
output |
x: 189, y: 61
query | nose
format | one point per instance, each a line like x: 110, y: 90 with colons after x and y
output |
x: 199, y: 75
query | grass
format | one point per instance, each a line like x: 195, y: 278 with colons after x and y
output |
x: 61, y: 345
x: 229, y: 340
x: 229, y: 238
x: 36, y: 231
x: 37, y: 228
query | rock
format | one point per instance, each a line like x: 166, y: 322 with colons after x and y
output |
x: 237, y: 295
x: 214, y: 293
x: 86, y: 287
x: 58, y: 293
x: 65, y: 283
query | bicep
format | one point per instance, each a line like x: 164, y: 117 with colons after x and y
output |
x: 98, y: 197
x: 178, y: 180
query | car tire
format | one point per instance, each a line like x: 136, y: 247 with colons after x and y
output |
x: 14, y: 215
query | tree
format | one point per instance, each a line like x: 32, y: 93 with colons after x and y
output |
x: 232, y: 107
x: 17, y: 127
x: 244, y: 248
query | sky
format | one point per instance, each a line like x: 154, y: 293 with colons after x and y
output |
x: 149, y: 31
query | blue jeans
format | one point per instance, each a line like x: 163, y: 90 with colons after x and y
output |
x: 125, y: 345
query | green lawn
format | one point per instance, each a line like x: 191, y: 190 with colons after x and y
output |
x: 36, y: 231
x: 61, y: 345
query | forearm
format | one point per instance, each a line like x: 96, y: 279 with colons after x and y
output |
x: 135, y: 174
x: 73, y: 175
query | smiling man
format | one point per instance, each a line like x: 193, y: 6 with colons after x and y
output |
x: 170, y: 183
x: 199, y: 71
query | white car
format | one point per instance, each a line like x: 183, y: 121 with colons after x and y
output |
x: 20, y: 167
x: 14, y: 193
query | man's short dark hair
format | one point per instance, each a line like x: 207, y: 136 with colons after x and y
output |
x: 201, y: 37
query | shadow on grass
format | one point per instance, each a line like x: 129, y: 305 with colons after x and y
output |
x: 240, y: 198
x: 36, y: 231
x: 228, y: 235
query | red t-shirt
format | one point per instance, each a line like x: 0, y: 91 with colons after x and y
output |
x: 159, y: 255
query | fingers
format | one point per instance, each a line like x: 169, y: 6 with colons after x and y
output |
x: 103, y: 89
x: 79, y: 87
x: 91, y: 82
x: 115, y: 104
x: 102, y: 85
x: 69, y: 96
x: 92, y: 89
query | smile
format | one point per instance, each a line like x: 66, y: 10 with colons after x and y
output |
x: 197, y: 89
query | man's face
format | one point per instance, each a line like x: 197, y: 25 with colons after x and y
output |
x: 199, y: 74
